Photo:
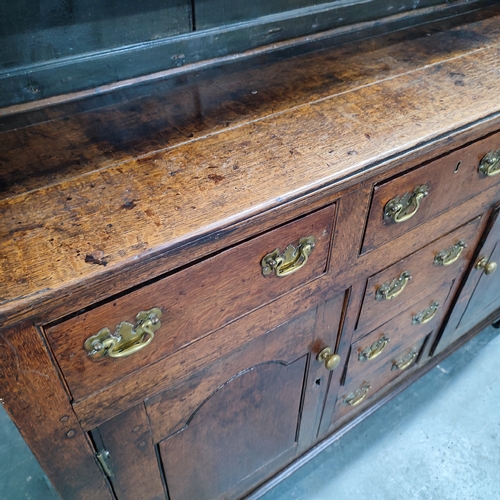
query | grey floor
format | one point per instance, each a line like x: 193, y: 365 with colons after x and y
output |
x: 439, y: 439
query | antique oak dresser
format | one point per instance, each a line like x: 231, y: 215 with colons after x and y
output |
x: 211, y: 273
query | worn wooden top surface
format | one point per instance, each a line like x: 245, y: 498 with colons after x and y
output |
x: 88, y: 188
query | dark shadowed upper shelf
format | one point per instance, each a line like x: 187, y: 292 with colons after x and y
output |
x: 92, y: 185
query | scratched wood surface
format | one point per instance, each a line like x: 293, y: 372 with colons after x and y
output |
x: 84, y: 135
x: 372, y: 101
x: 31, y: 390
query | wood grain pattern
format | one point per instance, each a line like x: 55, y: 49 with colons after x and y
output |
x: 171, y: 370
x: 172, y: 409
x: 450, y: 180
x: 33, y: 395
x: 329, y: 317
x: 377, y: 377
x: 479, y: 295
x: 411, y: 241
x: 250, y: 422
x: 203, y: 187
x: 194, y: 302
x: 135, y: 121
x: 322, y: 142
x: 239, y: 417
x: 398, y: 331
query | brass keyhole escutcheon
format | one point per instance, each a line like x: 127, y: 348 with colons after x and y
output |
x: 487, y: 267
x: 330, y: 359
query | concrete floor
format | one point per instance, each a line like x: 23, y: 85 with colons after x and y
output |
x: 439, y: 440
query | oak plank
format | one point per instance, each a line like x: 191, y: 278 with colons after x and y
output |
x: 87, y: 134
x: 33, y: 395
x: 217, y: 181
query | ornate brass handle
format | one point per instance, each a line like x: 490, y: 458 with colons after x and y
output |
x: 404, y: 362
x: 374, y: 350
x: 404, y: 207
x: 356, y: 397
x: 393, y: 288
x: 291, y: 260
x: 127, y: 338
x: 330, y: 359
x: 449, y: 255
x: 490, y: 163
x: 426, y: 315
x: 487, y: 267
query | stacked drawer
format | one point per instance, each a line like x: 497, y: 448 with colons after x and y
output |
x: 404, y: 304
x: 402, y: 309
x: 388, y: 351
x: 392, y: 290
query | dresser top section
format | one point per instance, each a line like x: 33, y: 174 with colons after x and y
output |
x: 99, y: 186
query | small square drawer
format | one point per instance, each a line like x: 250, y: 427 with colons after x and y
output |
x: 381, y: 345
x: 407, y: 201
x: 391, y: 291
x: 98, y: 347
x: 371, y: 381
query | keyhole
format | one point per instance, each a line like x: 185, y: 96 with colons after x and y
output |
x: 318, y: 381
x: 457, y: 167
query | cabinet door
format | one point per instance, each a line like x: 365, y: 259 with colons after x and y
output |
x: 229, y: 426
x: 480, y: 295
x: 486, y: 296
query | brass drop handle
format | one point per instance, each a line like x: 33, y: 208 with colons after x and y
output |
x: 357, y: 397
x: 490, y: 163
x: 374, y: 350
x: 426, y: 315
x: 291, y: 260
x: 449, y: 255
x: 393, y: 288
x: 328, y: 357
x: 487, y: 267
x: 127, y: 338
x: 402, y: 208
x: 404, y: 362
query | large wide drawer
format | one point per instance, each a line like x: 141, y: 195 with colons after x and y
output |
x: 407, y: 201
x: 192, y: 303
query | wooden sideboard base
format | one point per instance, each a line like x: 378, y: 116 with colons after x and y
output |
x: 209, y: 279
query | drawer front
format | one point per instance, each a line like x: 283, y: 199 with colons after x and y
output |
x: 371, y: 381
x: 390, y: 291
x: 403, y: 203
x: 383, y: 344
x: 192, y: 303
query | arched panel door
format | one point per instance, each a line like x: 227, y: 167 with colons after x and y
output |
x: 232, y: 424
x: 248, y: 423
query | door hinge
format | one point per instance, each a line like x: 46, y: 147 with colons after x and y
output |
x: 103, y: 457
